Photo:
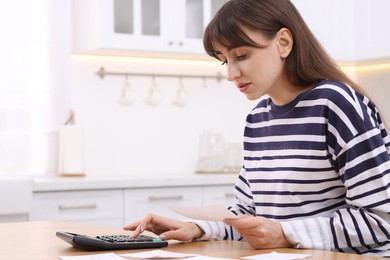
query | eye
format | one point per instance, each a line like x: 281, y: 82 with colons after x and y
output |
x: 242, y: 57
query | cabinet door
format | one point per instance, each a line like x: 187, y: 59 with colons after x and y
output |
x: 333, y: 30
x: 119, y: 25
x: 192, y: 17
x: 95, y: 207
x: 352, y: 30
x: 219, y: 195
x: 140, y: 202
x: 370, y: 27
x: 141, y: 26
x: 136, y: 24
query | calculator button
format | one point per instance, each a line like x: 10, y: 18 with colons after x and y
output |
x: 125, y: 238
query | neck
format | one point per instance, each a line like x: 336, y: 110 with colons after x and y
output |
x: 287, y: 93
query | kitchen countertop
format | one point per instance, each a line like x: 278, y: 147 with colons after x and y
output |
x: 60, y: 183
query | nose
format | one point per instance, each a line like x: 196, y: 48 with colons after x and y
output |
x: 233, y: 72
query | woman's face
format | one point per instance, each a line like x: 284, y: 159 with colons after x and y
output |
x: 257, y: 71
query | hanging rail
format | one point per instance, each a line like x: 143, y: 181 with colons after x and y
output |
x: 102, y: 73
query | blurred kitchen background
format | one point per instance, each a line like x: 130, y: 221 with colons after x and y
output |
x: 147, y: 99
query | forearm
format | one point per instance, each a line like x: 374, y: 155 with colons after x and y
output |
x: 348, y: 230
x: 308, y: 233
x: 215, y: 230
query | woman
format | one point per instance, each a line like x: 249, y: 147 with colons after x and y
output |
x: 316, y: 153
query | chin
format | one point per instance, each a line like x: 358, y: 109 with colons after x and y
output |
x: 253, y: 97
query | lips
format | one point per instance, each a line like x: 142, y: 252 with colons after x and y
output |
x: 243, y: 87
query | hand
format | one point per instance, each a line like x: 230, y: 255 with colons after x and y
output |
x: 259, y: 232
x: 166, y: 228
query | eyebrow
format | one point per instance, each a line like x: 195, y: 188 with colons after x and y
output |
x: 233, y: 47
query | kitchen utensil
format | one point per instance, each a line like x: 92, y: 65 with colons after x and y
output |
x: 181, y: 95
x: 127, y: 94
x: 153, y: 96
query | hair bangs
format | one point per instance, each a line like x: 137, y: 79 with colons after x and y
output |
x: 226, y: 31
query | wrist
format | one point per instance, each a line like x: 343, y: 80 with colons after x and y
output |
x: 197, y: 232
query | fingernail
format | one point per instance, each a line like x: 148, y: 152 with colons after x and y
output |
x: 141, y: 228
x: 163, y: 237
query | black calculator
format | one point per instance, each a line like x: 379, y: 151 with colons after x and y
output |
x: 110, y: 242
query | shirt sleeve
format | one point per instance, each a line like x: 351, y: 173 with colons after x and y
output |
x: 363, y: 163
x: 214, y: 230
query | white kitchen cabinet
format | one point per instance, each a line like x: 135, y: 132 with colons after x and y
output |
x: 118, y: 201
x: 352, y: 31
x: 139, y: 202
x: 330, y: 21
x: 102, y: 207
x: 15, y: 198
x: 219, y: 195
x: 373, y: 36
x: 141, y: 27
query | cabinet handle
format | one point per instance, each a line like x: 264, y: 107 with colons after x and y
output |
x: 173, y: 197
x: 73, y: 207
x: 229, y: 195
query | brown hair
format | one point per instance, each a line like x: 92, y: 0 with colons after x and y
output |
x: 308, y: 62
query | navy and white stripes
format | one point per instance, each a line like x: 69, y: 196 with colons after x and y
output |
x: 321, y: 167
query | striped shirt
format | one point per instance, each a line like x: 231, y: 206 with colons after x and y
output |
x: 320, y: 166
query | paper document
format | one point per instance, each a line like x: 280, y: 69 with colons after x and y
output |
x: 108, y: 256
x: 201, y: 257
x: 276, y: 256
x: 157, y: 254
x: 212, y: 213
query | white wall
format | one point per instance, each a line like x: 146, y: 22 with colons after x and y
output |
x: 144, y: 140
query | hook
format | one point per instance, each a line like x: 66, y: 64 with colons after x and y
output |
x: 153, y: 96
x: 126, y: 93
x: 181, y: 96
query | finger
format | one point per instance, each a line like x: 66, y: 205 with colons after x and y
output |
x: 231, y: 221
x: 175, y: 234
x: 240, y: 216
x: 131, y: 226
x: 242, y: 222
x: 145, y: 224
x: 137, y: 231
x: 139, y: 224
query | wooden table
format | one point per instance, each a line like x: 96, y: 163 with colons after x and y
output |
x: 37, y: 241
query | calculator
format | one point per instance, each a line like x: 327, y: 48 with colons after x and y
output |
x: 110, y: 242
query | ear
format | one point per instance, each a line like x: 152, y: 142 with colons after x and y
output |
x: 285, y: 42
